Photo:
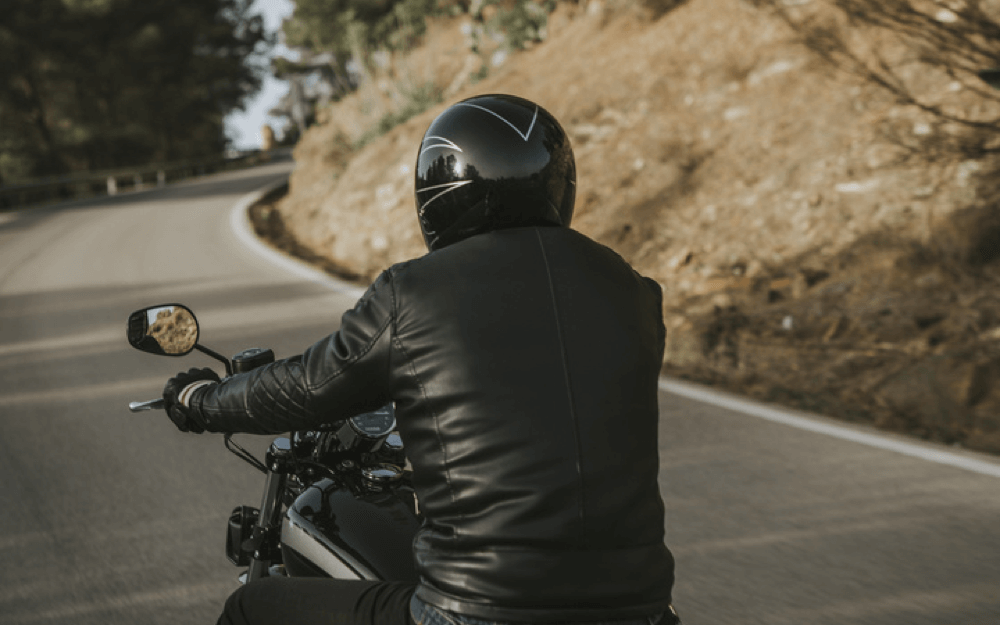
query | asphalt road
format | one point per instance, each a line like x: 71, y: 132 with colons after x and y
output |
x: 109, y: 517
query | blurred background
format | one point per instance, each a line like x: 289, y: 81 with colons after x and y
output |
x: 244, y: 127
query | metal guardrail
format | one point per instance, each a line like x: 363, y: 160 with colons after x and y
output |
x: 80, y: 185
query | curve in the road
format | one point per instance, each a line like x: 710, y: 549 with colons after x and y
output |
x: 242, y: 228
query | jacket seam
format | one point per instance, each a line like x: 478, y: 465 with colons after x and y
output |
x: 394, y: 328
x: 423, y: 393
x: 353, y: 361
x: 569, y: 387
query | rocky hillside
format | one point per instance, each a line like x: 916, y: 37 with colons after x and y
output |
x: 820, y: 243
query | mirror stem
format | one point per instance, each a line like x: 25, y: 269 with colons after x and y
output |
x: 229, y: 366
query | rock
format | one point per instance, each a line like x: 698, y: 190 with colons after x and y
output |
x: 858, y: 187
x: 680, y: 260
x: 754, y: 269
x: 965, y: 172
x: 836, y: 329
x: 722, y: 301
x: 734, y: 113
x: 945, y: 16
x: 992, y: 334
x: 773, y: 69
x: 684, y: 346
x: 935, y: 395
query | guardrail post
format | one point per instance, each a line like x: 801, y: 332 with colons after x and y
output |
x: 80, y: 184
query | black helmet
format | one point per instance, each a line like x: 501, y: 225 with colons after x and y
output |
x: 492, y: 162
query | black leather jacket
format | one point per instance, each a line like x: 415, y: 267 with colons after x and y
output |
x: 523, y: 364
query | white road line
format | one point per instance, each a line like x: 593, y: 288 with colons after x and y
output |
x: 240, y: 222
x: 819, y: 425
x: 103, y: 335
x: 241, y: 227
x: 120, y: 388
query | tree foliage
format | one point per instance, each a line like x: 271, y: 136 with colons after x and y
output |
x: 352, y: 30
x: 96, y: 84
x: 354, y: 27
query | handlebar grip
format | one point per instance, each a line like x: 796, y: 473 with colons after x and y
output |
x: 140, y: 406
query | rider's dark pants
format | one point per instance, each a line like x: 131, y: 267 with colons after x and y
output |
x: 315, y: 601
x: 311, y: 601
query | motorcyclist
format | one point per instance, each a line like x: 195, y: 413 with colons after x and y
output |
x: 523, y: 360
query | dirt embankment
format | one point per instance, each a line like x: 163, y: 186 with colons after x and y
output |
x: 819, y: 244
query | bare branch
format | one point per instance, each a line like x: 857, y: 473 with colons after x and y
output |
x: 957, y: 41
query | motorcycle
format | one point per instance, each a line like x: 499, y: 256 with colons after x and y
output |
x: 338, y: 502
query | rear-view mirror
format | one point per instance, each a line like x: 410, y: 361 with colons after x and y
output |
x: 168, y: 329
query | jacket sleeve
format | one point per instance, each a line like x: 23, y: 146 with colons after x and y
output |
x: 341, y: 375
x: 661, y: 328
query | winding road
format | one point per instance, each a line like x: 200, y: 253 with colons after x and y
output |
x: 108, y: 517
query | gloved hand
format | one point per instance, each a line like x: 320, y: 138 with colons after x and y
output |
x: 177, y: 394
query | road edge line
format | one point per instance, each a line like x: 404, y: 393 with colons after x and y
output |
x: 820, y: 425
x: 239, y: 220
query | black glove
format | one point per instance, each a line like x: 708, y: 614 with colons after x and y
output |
x: 186, y: 419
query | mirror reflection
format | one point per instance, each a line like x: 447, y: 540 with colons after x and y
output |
x: 171, y: 330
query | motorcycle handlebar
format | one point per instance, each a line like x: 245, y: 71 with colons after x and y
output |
x: 140, y: 406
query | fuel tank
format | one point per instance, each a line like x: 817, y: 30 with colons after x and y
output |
x: 331, y: 531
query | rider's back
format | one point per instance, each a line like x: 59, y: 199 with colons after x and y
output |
x: 524, y: 365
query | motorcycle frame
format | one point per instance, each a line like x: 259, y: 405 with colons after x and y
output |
x: 266, y: 532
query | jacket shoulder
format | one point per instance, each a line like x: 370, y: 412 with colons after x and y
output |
x: 600, y: 249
